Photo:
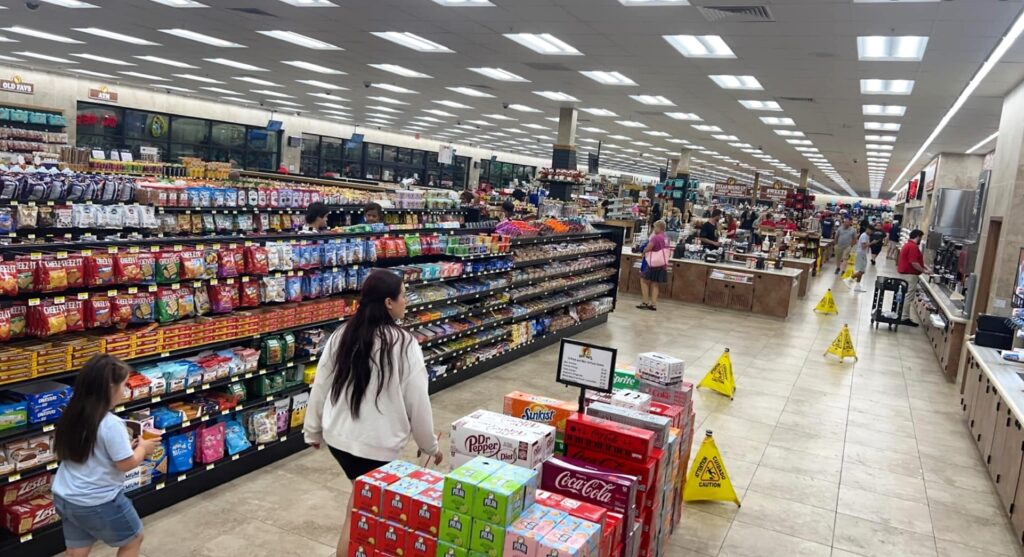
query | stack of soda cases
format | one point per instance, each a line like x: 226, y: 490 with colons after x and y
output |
x: 396, y: 512
x: 504, y: 438
x: 534, y: 408
x: 557, y: 526
x: 481, y: 499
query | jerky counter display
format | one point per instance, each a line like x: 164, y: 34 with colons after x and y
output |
x: 224, y: 336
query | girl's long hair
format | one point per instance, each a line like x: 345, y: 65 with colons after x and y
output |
x: 372, y: 326
x: 92, y: 399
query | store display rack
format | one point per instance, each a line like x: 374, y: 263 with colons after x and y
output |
x: 169, y: 490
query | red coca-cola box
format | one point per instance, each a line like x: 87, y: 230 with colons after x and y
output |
x: 591, y: 484
x: 572, y: 507
x: 646, y: 473
x: 670, y: 411
x: 607, y: 542
x: 609, y: 437
x: 363, y: 529
x: 420, y: 545
x: 392, y: 538
x: 368, y: 490
x: 425, y: 512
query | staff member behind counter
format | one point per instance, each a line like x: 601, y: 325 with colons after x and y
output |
x: 708, y: 235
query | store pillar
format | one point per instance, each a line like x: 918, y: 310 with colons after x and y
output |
x: 805, y: 174
x: 563, y: 156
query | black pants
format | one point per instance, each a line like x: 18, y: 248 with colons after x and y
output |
x: 354, y: 466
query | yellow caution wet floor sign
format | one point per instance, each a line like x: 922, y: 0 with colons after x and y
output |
x: 827, y: 304
x: 850, y: 267
x: 842, y: 346
x: 720, y: 378
x: 708, y: 480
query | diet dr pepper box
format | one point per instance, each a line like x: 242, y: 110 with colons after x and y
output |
x: 503, y: 438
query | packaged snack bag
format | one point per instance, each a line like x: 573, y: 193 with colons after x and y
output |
x: 19, y: 319
x: 193, y: 266
x: 99, y: 270
x: 202, y: 299
x: 257, y: 260
x: 167, y: 306
x: 293, y: 289
x: 127, y: 269
x: 51, y: 276
x: 222, y: 297
x: 272, y: 289
x: 211, y: 259
x: 98, y: 312
x: 167, y: 263
x: 147, y: 266
x: 5, y: 335
x: 47, y: 319
x: 8, y: 279
x: 211, y: 443
x: 234, y: 437
x: 186, y: 302
x: 74, y: 267
x: 74, y: 315
x: 249, y: 294
x: 180, y: 449
x: 25, y: 270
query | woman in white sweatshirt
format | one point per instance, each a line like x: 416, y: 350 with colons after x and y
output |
x: 370, y: 391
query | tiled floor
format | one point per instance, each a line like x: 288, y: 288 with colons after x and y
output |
x: 868, y: 458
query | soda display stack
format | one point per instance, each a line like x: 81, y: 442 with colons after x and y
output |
x: 396, y: 511
x: 504, y: 438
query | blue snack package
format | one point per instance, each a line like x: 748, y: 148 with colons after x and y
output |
x: 234, y: 437
x: 352, y: 278
x: 293, y: 289
x: 180, y: 449
x: 311, y: 285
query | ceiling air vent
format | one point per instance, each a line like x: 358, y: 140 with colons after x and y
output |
x: 548, y: 66
x: 736, y: 13
x: 796, y: 99
x: 253, y: 11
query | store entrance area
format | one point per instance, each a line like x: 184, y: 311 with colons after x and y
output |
x: 869, y: 458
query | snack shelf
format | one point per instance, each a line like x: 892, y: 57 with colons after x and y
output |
x: 563, y: 288
x: 535, y: 280
x: 459, y: 351
x: 469, y: 313
x: 246, y: 405
x: 478, y: 255
x: 555, y: 238
x: 28, y: 472
x: 462, y: 276
x: 531, y: 262
x: 461, y: 297
x: 296, y: 210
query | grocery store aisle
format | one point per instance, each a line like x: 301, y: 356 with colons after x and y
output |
x: 867, y: 458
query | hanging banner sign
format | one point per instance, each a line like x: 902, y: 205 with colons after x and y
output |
x: 929, y: 175
x: 587, y: 366
x: 103, y: 94
x: 17, y: 85
x: 773, y: 193
x: 445, y: 154
x: 731, y: 190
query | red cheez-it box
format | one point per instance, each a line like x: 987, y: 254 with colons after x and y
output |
x: 604, y: 436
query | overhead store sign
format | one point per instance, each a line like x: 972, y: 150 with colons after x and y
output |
x: 103, y: 94
x: 730, y: 188
x: 17, y: 85
x: 929, y: 174
x: 773, y: 192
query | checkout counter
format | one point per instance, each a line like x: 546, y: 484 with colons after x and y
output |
x: 771, y: 292
x: 805, y: 264
x: 944, y: 324
x: 992, y: 402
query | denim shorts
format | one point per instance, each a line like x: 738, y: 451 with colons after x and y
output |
x: 114, y: 523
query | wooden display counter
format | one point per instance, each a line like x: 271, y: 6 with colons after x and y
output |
x: 764, y: 292
x: 993, y: 406
x: 947, y: 339
x: 629, y: 225
x: 804, y: 264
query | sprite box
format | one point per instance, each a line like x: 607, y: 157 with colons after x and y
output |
x: 460, y: 484
x: 499, y: 500
x: 487, y: 538
x: 449, y: 550
x: 625, y: 379
x: 455, y: 528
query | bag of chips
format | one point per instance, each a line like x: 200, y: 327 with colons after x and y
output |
x: 19, y: 319
x: 133, y: 309
x: 222, y: 297
x: 180, y: 449
x: 5, y: 325
x: 210, y: 444
x: 99, y: 270
x: 74, y: 267
x: 98, y: 312
x: 272, y: 289
x: 167, y: 306
x: 256, y: 260
x: 228, y: 265
x: 234, y: 437
x: 51, y: 276
x: 27, y: 216
x: 193, y: 266
x: 202, y: 298
x: 186, y: 302
x: 127, y: 269
x: 147, y: 266
x: 47, y: 319
x: 25, y: 276
x: 293, y: 289
x: 249, y: 294
x: 8, y: 279
x: 167, y: 267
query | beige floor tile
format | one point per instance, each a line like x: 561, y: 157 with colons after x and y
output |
x: 794, y: 487
x: 801, y: 440
x: 700, y: 531
x: 885, y: 509
x: 258, y: 540
x: 983, y: 504
x: 907, y: 488
x: 787, y: 517
x: 803, y: 464
x: 952, y: 549
x: 882, y: 441
x: 813, y: 408
x: 727, y: 426
x: 882, y: 460
x: 817, y: 425
x: 874, y: 539
x: 745, y: 540
x: 990, y: 535
x: 965, y: 477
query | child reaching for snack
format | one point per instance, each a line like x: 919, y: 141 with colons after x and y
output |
x: 95, y: 451
x: 370, y: 394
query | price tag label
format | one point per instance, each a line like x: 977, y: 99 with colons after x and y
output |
x: 152, y: 288
x: 234, y: 457
x: 58, y: 299
x: 230, y: 281
x: 119, y: 408
x: 186, y: 423
x: 200, y: 246
x: 48, y: 427
x: 182, y: 477
x: 209, y: 466
x: 34, y: 301
x: 248, y: 243
x: 25, y: 538
x: 270, y: 398
x: 154, y: 248
x: 215, y: 246
x: 159, y: 486
x: 232, y: 246
x: 51, y: 466
x: 178, y: 247
x: 133, y: 249
x: 176, y: 286
x: 156, y: 399
x: 190, y: 390
x: 112, y: 249
x: 35, y: 256
x: 13, y: 477
x: 214, y: 282
x: 225, y: 412
x: 133, y: 290
x: 248, y: 375
x: 83, y: 295
x: 261, y: 447
x: 245, y: 279
x: 284, y: 438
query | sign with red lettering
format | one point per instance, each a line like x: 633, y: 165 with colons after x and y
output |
x: 17, y: 85
x: 103, y: 94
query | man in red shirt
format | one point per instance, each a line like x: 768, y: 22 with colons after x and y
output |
x: 910, y: 265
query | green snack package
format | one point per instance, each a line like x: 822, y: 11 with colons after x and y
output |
x: 167, y: 307
x: 456, y: 528
x: 289, y: 346
x: 276, y: 382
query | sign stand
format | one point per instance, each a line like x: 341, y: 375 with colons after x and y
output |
x: 587, y: 366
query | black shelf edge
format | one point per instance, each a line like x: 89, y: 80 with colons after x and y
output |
x: 532, y: 262
x: 456, y: 299
x: 433, y: 358
x: 252, y: 402
x: 449, y: 279
x: 474, y: 256
x: 555, y: 238
x: 559, y: 274
x: 452, y: 378
x: 558, y: 289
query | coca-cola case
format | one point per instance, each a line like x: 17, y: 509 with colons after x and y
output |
x: 602, y: 487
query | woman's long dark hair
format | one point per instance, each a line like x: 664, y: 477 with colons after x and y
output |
x: 371, y: 326
x: 92, y: 399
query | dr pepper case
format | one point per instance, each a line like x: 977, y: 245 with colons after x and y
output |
x: 606, y: 436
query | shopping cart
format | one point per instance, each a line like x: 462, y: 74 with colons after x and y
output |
x: 884, y: 286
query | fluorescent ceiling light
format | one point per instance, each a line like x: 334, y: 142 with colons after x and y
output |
x: 630, y: 124
x: 725, y: 137
x: 94, y: 74
x: 643, y: 144
x: 588, y: 140
x: 234, y: 64
x: 620, y: 137
x: 743, y: 82
x: 258, y: 81
x: 182, y: 4
x: 413, y: 41
x: 470, y: 92
x: 270, y: 93
x: 544, y: 43
x: 145, y: 76
x: 321, y: 84
x: 452, y: 104
x: 535, y: 126
x: 885, y: 138
x: 700, y: 46
x: 167, y: 62
x: 333, y: 105
x: 336, y: 112
x: 524, y: 108
x: 480, y: 122
x: 285, y: 103
x: 299, y: 39
x: 313, y: 67
x: 46, y: 57
x: 464, y: 3
x: 199, y: 78
x: 657, y: 133
x: 201, y: 38
x: 599, y: 112
x: 387, y: 109
x: 393, y: 88
x: 239, y: 100
x: 388, y: 100
x: 807, y: 149
x: 879, y: 154
x: 115, y: 36
x: 103, y: 59
x: 71, y: 3
x: 789, y: 133
x: 799, y: 142
x: 884, y: 110
x: 877, y: 159
x: 882, y: 126
x: 173, y: 88
x: 400, y: 70
x: 328, y: 96
x: 683, y: 116
x: 499, y: 74
x: 42, y: 35
x: 762, y: 105
x: 878, y: 147
x: 592, y: 129
x: 881, y: 48
x: 653, y: 100
x: 437, y: 112
x: 381, y: 116
x: 886, y: 86
x: 982, y: 142
x: 706, y: 128
x: 775, y: 121
x: 609, y: 78
x: 219, y: 90
x: 429, y: 119
x: 311, y: 3
x: 557, y: 96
